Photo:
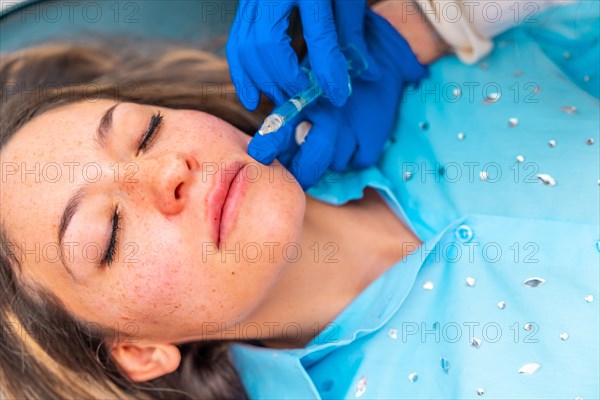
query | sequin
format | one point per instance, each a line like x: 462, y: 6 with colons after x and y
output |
x: 534, y: 282
x: 566, y: 55
x: 552, y: 143
x: 546, y: 179
x: 528, y: 326
x: 589, y: 298
x: 590, y: 141
x: 423, y: 126
x: 492, y: 98
x: 529, y: 368
x: 564, y: 336
x: 428, y: 285
x: 361, y: 386
x: 586, y: 78
x: 445, y: 364
x: 393, y: 333
x: 483, y: 175
x: 518, y: 72
x: 569, y: 109
x: 578, y: 398
x: 413, y: 377
x: 537, y: 89
x: 475, y: 343
x: 470, y: 281
x: 464, y: 233
x: 480, y: 392
x: 512, y: 122
x: 520, y: 158
x: 501, y: 305
x: 460, y: 136
x: 407, y: 176
x: 457, y: 92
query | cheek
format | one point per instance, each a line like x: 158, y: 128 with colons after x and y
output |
x: 153, y: 288
x: 212, y: 132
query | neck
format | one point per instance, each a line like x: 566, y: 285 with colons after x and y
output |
x: 343, y: 250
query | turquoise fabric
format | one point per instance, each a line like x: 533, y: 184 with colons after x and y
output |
x: 455, y: 319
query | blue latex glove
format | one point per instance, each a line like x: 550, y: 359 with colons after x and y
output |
x: 261, y: 58
x: 355, y: 134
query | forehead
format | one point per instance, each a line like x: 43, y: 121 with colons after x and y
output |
x: 41, y: 166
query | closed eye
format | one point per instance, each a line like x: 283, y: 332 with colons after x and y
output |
x: 150, y: 134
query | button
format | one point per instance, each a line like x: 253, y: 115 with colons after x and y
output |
x: 464, y: 233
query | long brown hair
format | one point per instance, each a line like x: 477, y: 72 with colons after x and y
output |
x: 44, y: 351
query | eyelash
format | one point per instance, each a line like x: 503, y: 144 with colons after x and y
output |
x: 114, y: 238
x: 150, y: 134
x: 146, y: 141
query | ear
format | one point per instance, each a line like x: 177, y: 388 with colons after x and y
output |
x: 143, y: 362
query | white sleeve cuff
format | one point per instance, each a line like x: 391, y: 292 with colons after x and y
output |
x: 448, y: 18
x: 467, y: 25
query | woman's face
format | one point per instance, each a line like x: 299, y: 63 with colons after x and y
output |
x: 170, y: 268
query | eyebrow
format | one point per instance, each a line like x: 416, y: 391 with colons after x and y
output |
x: 104, y: 129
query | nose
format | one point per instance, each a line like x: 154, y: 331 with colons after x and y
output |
x: 170, y: 177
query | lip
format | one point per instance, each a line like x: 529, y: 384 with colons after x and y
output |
x: 225, y: 198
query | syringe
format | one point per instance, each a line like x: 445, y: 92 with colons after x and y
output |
x: 356, y: 64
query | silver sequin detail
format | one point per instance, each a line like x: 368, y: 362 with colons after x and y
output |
x: 393, y: 333
x: 528, y: 326
x: 537, y: 89
x: 546, y: 179
x: 492, y: 98
x: 520, y: 158
x: 512, y: 122
x: 501, y: 305
x: 428, y: 285
x: 552, y: 143
x: 480, y: 392
x: 578, y: 398
x: 569, y: 109
x: 475, y: 343
x: 361, y: 386
x: 590, y: 141
x: 483, y: 175
x: 407, y: 176
x: 534, y: 282
x: 470, y: 281
x: 457, y: 92
x: 413, y: 377
x: 564, y: 336
x: 445, y: 364
x: 529, y: 368
x: 589, y: 298
x: 460, y: 136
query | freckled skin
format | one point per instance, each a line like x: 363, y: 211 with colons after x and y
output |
x: 163, y: 274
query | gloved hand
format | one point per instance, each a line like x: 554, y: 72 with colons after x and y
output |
x: 261, y: 58
x: 355, y: 134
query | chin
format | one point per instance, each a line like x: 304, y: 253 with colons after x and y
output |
x: 271, y: 211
